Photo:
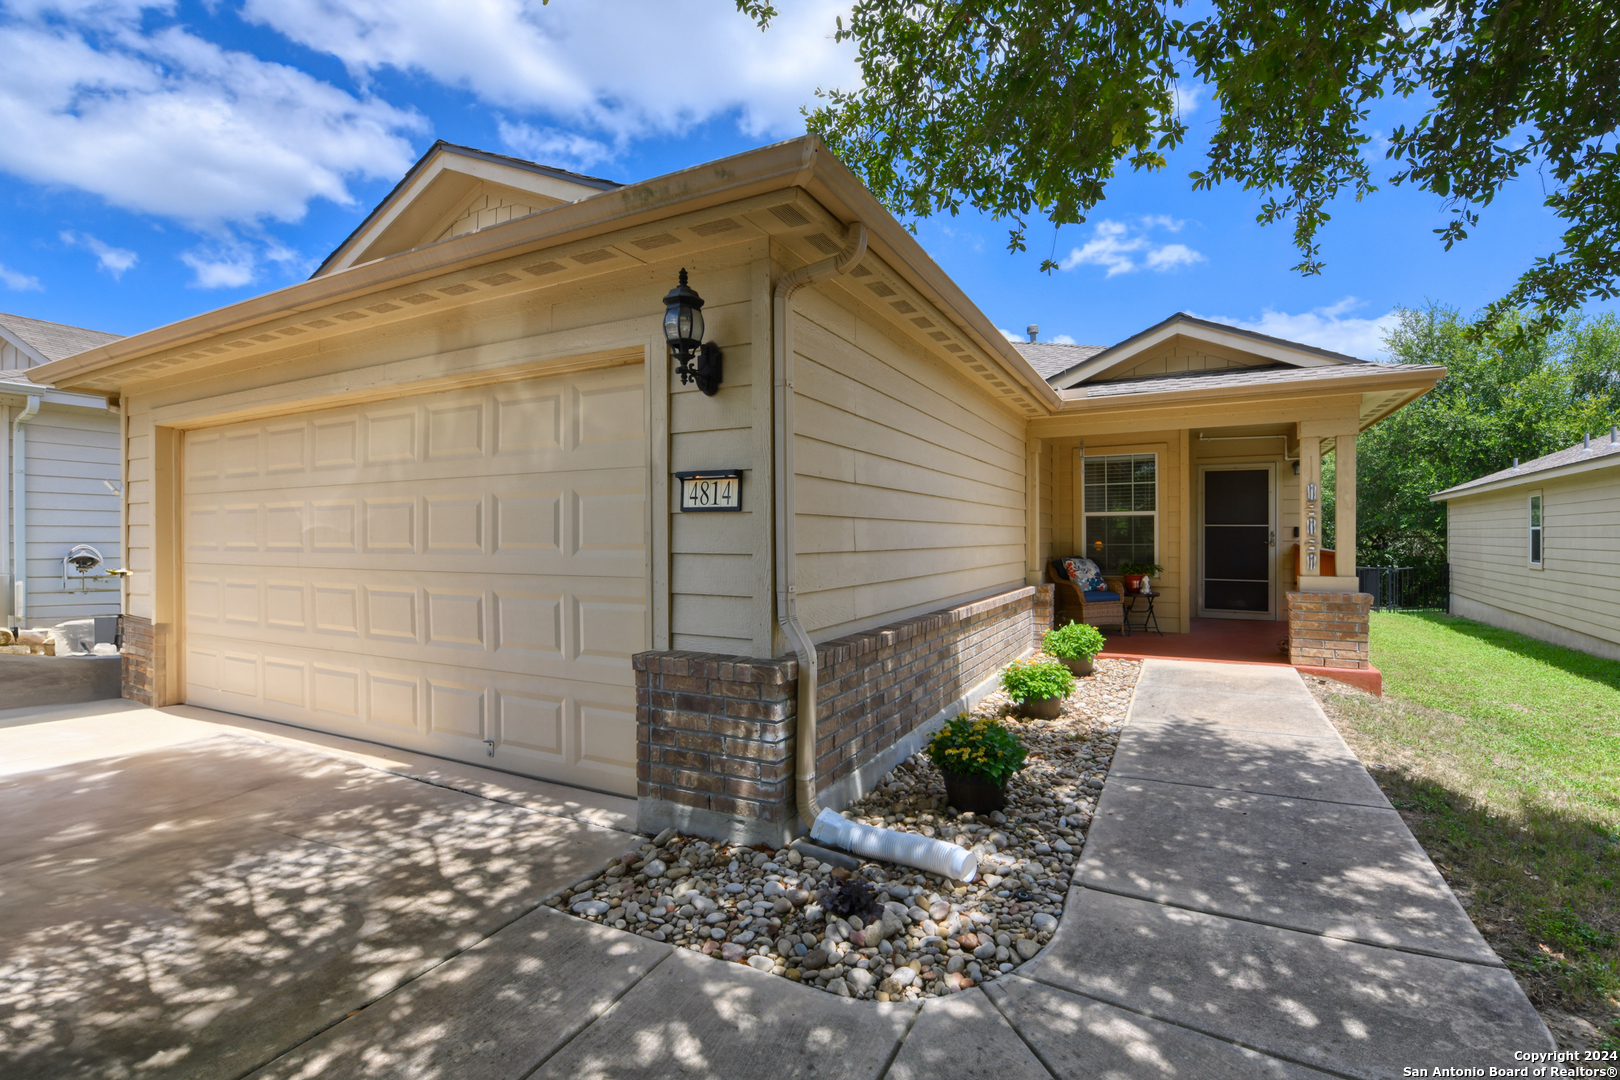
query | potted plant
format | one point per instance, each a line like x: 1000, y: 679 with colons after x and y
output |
x: 1076, y: 644
x: 978, y: 756
x: 1038, y: 687
x: 1136, y: 575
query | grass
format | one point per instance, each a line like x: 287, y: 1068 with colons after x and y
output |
x: 1503, y: 754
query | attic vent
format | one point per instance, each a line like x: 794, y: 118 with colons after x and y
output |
x: 588, y: 257
x: 663, y: 239
x: 881, y: 289
x: 456, y: 290
x: 922, y: 322
x: 953, y: 347
x: 216, y: 350
x: 382, y: 309
x: 710, y: 228
x: 789, y: 215
x: 940, y: 335
x: 264, y: 337
x: 901, y: 306
x: 239, y: 343
x: 542, y: 269
x: 419, y: 298
x: 824, y: 243
x: 860, y: 271
x: 350, y: 316
x: 289, y: 331
x: 320, y: 324
x: 498, y: 279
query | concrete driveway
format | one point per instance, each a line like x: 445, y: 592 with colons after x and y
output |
x: 187, y: 894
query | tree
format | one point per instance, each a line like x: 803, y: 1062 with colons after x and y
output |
x: 1026, y: 107
x: 1509, y: 392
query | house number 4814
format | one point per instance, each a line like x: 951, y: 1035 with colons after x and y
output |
x: 710, y: 491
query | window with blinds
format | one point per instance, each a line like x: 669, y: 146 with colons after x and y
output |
x: 1120, y: 502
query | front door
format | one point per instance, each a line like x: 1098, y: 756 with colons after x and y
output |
x: 1239, y: 542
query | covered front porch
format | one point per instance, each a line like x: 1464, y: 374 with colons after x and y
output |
x: 1196, y: 452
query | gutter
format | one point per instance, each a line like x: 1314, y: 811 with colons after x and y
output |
x: 19, y: 518
x: 782, y: 434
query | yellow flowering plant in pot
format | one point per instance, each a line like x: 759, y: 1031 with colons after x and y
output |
x: 978, y: 755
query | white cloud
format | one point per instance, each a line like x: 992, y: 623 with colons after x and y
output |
x: 1324, y: 327
x: 1123, y: 249
x: 556, y: 147
x: 1171, y: 256
x: 19, y: 282
x: 620, y: 70
x: 114, y: 260
x: 221, y: 265
x: 162, y: 122
x: 1063, y: 339
x: 1010, y: 336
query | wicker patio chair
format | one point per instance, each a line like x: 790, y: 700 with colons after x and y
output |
x: 1071, y: 603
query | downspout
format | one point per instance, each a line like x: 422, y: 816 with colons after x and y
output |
x: 19, y: 515
x: 786, y: 548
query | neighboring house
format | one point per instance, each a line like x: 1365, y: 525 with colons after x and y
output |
x: 430, y: 497
x: 1532, y: 548
x: 60, y: 451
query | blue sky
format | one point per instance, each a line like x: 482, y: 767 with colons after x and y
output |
x: 162, y: 159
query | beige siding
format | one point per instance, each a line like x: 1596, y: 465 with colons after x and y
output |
x: 1578, y: 585
x: 13, y: 358
x: 1182, y: 354
x: 910, y: 483
x: 1067, y: 526
x: 717, y: 602
x: 486, y: 209
x: 70, y: 453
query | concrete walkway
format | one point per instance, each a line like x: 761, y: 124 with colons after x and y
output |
x: 1248, y: 905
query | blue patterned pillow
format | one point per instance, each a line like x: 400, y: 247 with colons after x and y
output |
x: 1085, y: 574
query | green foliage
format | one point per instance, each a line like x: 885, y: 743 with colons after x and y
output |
x: 1026, y: 680
x: 1076, y: 641
x: 1147, y: 569
x: 978, y: 745
x: 1511, y: 391
x: 1029, y: 107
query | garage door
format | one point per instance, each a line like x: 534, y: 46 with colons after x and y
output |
x: 455, y: 573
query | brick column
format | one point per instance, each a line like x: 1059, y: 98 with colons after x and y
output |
x: 138, y: 644
x: 1328, y: 630
x: 1045, y: 610
x: 714, y: 745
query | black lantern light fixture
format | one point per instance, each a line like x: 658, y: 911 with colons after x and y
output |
x: 696, y: 360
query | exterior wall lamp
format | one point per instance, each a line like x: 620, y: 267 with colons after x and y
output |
x: 696, y: 360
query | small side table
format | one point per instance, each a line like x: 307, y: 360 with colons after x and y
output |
x: 1150, y: 621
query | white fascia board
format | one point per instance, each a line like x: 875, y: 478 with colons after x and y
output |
x: 18, y: 394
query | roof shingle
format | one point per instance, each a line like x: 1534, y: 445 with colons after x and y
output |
x: 54, y: 341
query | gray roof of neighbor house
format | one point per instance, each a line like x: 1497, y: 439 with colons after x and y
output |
x: 52, y: 340
x: 1051, y: 359
x: 1603, y: 450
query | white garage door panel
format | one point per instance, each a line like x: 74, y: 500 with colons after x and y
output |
x: 431, y: 573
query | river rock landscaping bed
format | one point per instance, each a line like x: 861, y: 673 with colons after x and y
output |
x: 906, y: 934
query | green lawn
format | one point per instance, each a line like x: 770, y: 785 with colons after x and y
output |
x: 1503, y: 753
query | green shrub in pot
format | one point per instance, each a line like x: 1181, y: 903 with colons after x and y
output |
x: 1076, y: 641
x: 1036, y: 680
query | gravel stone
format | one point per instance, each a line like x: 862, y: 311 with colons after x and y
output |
x: 932, y: 936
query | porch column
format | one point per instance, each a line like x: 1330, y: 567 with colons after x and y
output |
x: 1344, y: 508
x: 1310, y: 507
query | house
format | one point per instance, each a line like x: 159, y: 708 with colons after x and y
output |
x: 1532, y: 548
x: 451, y: 493
x: 59, y: 477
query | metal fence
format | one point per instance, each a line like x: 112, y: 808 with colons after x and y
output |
x: 1396, y: 587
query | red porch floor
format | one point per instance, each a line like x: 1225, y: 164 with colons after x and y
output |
x: 1231, y: 641
x: 1244, y: 641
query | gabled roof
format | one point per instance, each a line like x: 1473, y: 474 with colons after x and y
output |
x: 440, y: 185
x: 1263, y: 348
x: 1588, y: 454
x: 45, y: 341
x: 1052, y: 359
